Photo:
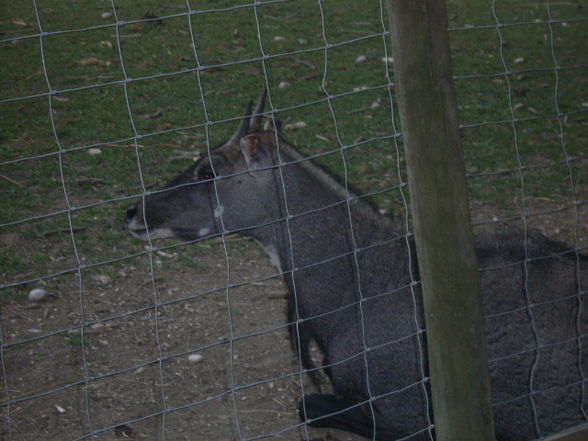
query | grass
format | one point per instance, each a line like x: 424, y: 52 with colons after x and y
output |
x: 75, y: 339
x: 166, y: 108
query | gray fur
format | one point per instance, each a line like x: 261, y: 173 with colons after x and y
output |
x: 313, y: 246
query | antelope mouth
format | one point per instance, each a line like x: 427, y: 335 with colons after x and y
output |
x: 140, y: 231
x: 156, y: 233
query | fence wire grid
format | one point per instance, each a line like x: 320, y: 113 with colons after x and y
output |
x: 103, y: 336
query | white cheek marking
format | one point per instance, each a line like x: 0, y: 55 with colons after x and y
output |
x: 218, y: 211
x: 134, y: 225
x: 203, y: 232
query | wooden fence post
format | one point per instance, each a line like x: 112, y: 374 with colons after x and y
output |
x: 443, y: 232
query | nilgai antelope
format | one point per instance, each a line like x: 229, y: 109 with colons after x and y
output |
x: 352, y: 291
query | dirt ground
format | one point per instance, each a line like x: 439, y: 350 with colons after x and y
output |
x: 176, y: 372
x: 110, y: 381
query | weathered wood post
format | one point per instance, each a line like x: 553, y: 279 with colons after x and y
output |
x: 440, y: 209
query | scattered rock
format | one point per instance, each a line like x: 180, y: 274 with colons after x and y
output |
x: 106, y: 14
x: 296, y: 125
x: 38, y: 295
x: 388, y: 60
x: 164, y: 254
x: 279, y: 38
x: 93, y: 61
x: 195, y: 358
x: 103, y: 278
x: 123, y: 431
x: 361, y: 59
x: 94, y: 151
x: 283, y: 85
x: 519, y: 60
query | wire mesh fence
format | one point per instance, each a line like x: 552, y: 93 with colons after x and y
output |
x: 188, y: 338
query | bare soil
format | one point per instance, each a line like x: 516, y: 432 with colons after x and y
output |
x: 129, y: 375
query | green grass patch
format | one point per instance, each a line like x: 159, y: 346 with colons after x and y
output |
x: 75, y: 339
x: 45, y: 141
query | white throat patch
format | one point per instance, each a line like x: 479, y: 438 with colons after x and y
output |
x: 218, y: 211
x: 273, y: 255
x: 203, y: 232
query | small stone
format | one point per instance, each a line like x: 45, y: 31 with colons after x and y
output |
x: 106, y: 14
x: 388, y: 60
x: 361, y: 59
x: 103, y: 278
x: 519, y: 60
x: 195, y: 358
x: 59, y: 409
x: 38, y: 295
x: 283, y: 85
x: 123, y: 431
x: 94, y: 151
x: 164, y: 254
x: 296, y: 125
x: 302, y: 41
x: 279, y: 38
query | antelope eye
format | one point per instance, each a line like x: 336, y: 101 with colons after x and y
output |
x: 205, y: 173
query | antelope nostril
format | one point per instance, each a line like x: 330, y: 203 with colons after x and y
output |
x: 130, y: 213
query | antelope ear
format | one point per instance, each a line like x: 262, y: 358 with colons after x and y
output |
x: 273, y: 125
x: 250, y: 149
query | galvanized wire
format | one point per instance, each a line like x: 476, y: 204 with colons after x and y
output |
x: 233, y: 387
